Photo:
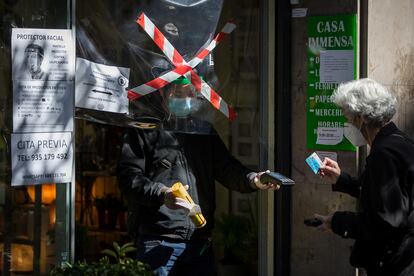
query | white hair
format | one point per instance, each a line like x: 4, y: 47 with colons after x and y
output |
x: 367, y: 98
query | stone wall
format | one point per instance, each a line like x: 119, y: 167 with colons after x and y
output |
x: 314, y: 253
x: 391, y: 54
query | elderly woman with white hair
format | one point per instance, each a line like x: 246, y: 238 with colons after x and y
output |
x: 383, y: 228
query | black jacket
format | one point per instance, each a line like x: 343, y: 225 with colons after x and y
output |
x: 383, y: 227
x: 153, y: 159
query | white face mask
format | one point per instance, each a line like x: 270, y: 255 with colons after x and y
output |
x: 354, y: 135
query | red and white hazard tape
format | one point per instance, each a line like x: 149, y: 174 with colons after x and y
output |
x: 182, y: 67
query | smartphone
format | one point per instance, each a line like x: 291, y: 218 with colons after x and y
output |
x: 312, y: 222
x: 277, y: 178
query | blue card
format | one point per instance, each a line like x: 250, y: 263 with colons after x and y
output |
x: 314, y: 162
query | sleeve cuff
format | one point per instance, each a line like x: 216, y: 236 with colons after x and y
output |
x: 335, y: 222
x: 250, y: 177
x: 161, y: 193
x: 341, y: 224
x: 341, y: 183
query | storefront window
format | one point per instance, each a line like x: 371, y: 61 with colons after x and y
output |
x: 100, y: 207
x: 107, y: 34
x: 27, y: 213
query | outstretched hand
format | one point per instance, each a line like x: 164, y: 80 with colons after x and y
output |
x: 264, y: 186
x: 330, y: 169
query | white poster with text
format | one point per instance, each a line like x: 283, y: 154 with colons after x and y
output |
x: 40, y: 106
x: 329, y: 135
x: 42, y: 54
x: 336, y: 66
x: 101, y: 87
x: 39, y: 158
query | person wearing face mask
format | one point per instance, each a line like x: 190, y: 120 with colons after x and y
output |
x: 188, y: 110
x: 181, y: 97
x: 383, y: 229
x: 153, y: 160
x: 34, y: 57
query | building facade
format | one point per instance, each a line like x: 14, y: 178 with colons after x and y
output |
x: 262, y: 69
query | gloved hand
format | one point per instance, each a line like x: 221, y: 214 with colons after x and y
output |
x: 170, y: 200
x: 264, y: 186
x: 173, y: 202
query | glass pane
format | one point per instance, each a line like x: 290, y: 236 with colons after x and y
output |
x: 100, y: 209
x: 237, y: 63
x: 110, y: 35
x: 27, y: 213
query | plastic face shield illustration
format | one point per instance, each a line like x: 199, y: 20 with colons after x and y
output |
x: 34, y: 57
x: 33, y: 62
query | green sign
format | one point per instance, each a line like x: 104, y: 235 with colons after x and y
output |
x: 332, y: 44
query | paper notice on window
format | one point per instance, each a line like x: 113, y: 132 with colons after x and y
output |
x: 330, y: 154
x: 41, y: 158
x: 299, y: 12
x: 329, y: 135
x: 101, y: 87
x: 42, y: 106
x: 42, y: 54
x: 336, y: 66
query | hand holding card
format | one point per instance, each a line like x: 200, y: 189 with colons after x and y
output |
x: 330, y: 169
